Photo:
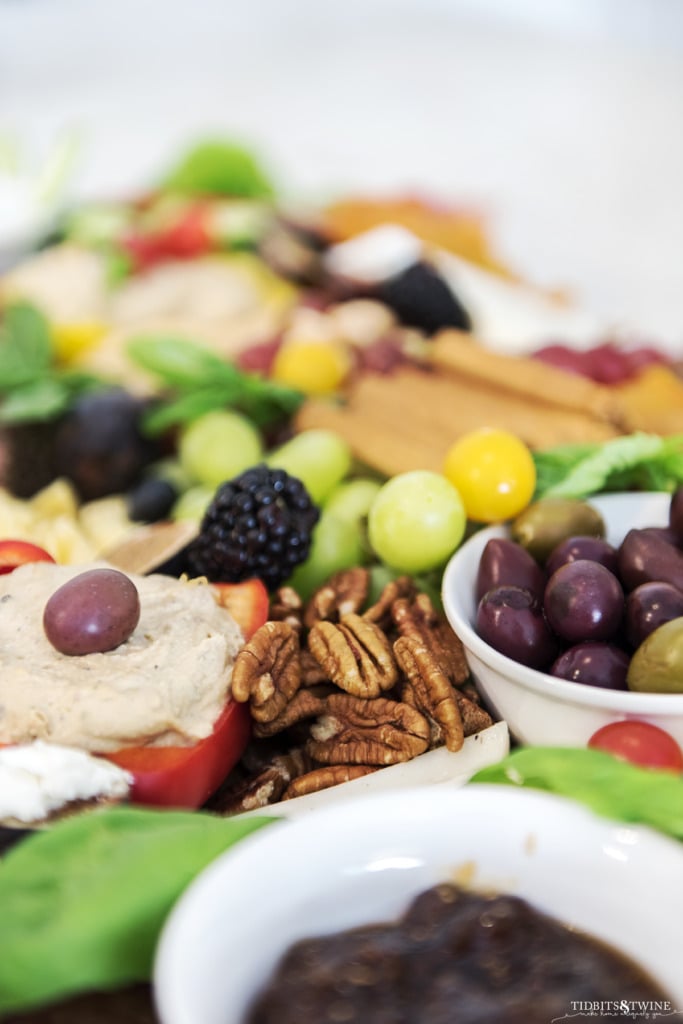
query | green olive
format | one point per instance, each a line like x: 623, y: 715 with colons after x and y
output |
x: 657, y: 665
x: 545, y: 523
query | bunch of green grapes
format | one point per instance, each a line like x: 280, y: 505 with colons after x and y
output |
x: 410, y: 523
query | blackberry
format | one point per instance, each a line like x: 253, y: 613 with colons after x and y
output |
x: 420, y: 297
x: 258, y: 524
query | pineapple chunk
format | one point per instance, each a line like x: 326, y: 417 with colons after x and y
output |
x: 16, y: 517
x: 105, y: 522
x: 64, y: 539
x: 57, y: 499
x: 53, y: 519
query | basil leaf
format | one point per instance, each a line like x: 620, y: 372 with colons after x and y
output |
x: 207, y: 382
x: 187, y: 408
x: 609, y: 786
x: 36, y: 401
x: 215, y: 167
x: 84, y: 901
x: 265, y: 400
x: 25, y: 346
x: 180, y: 363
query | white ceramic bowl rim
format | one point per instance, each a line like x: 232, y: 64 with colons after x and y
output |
x: 532, y: 679
x: 424, y: 828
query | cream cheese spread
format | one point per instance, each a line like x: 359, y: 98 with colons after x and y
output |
x: 37, y: 779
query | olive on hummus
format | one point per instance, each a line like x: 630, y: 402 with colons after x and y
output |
x: 166, y: 685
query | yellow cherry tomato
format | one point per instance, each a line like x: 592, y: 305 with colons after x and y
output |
x: 314, y: 367
x: 72, y: 339
x: 494, y: 473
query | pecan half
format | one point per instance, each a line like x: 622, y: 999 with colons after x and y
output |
x: 345, y: 592
x: 380, y: 611
x: 267, y: 671
x: 369, y: 732
x: 312, y: 672
x: 474, y: 717
x: 355, y: 654
x: 433, y: 693
x: 264, y: 788
x: 286, y: 606
x: 304, y: 704
x: 418, y: 618
x: 326, y: 777
x: 470, y: 691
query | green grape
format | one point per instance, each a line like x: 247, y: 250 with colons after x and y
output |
x: 352, y: 500
x: 319, y: 458
x: 380, y: 575
x: 192, y: 504
x: 337, y: 544
x: 171, y: 470
x: 218, y: 446
x: 416, y: 521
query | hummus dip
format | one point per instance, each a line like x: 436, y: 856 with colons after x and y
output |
x: 166, y: 685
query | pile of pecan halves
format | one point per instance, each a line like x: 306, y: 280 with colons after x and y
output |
x: 337, y: 689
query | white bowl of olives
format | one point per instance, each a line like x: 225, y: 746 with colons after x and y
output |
x: 591, y: 631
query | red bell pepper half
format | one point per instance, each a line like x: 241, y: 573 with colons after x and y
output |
x: 187, y: 776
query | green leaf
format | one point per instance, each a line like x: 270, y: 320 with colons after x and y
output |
x: 634, y: 462
x: 84, y: 901
x: 610, y: 787
x: 25, y: 346
x: 78, y: 381
x: 206, y: 382
x: 265, y: 400
x: 215, y: 167
x: 591, y: 474
x: 179, y: 362
x: 188, y: 407
x: 36, y: 401
x: 553, y: 464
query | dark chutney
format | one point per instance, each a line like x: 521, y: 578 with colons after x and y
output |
x: 455, y: 956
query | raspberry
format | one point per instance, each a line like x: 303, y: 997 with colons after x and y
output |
x: 259, y: 524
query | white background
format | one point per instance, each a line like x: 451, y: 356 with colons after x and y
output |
x: 562, y: 118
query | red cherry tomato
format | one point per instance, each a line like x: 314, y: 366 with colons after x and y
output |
x: 14, y: 553
x: 185, y: 238
x: 187, y: 776
x: 188, y: 236
x: 640, y: 743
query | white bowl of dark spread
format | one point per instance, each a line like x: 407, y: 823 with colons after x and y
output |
x: 363, y: 862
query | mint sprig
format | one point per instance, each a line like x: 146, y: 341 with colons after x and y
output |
x: 197, y: 381
x: 33, y: 388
